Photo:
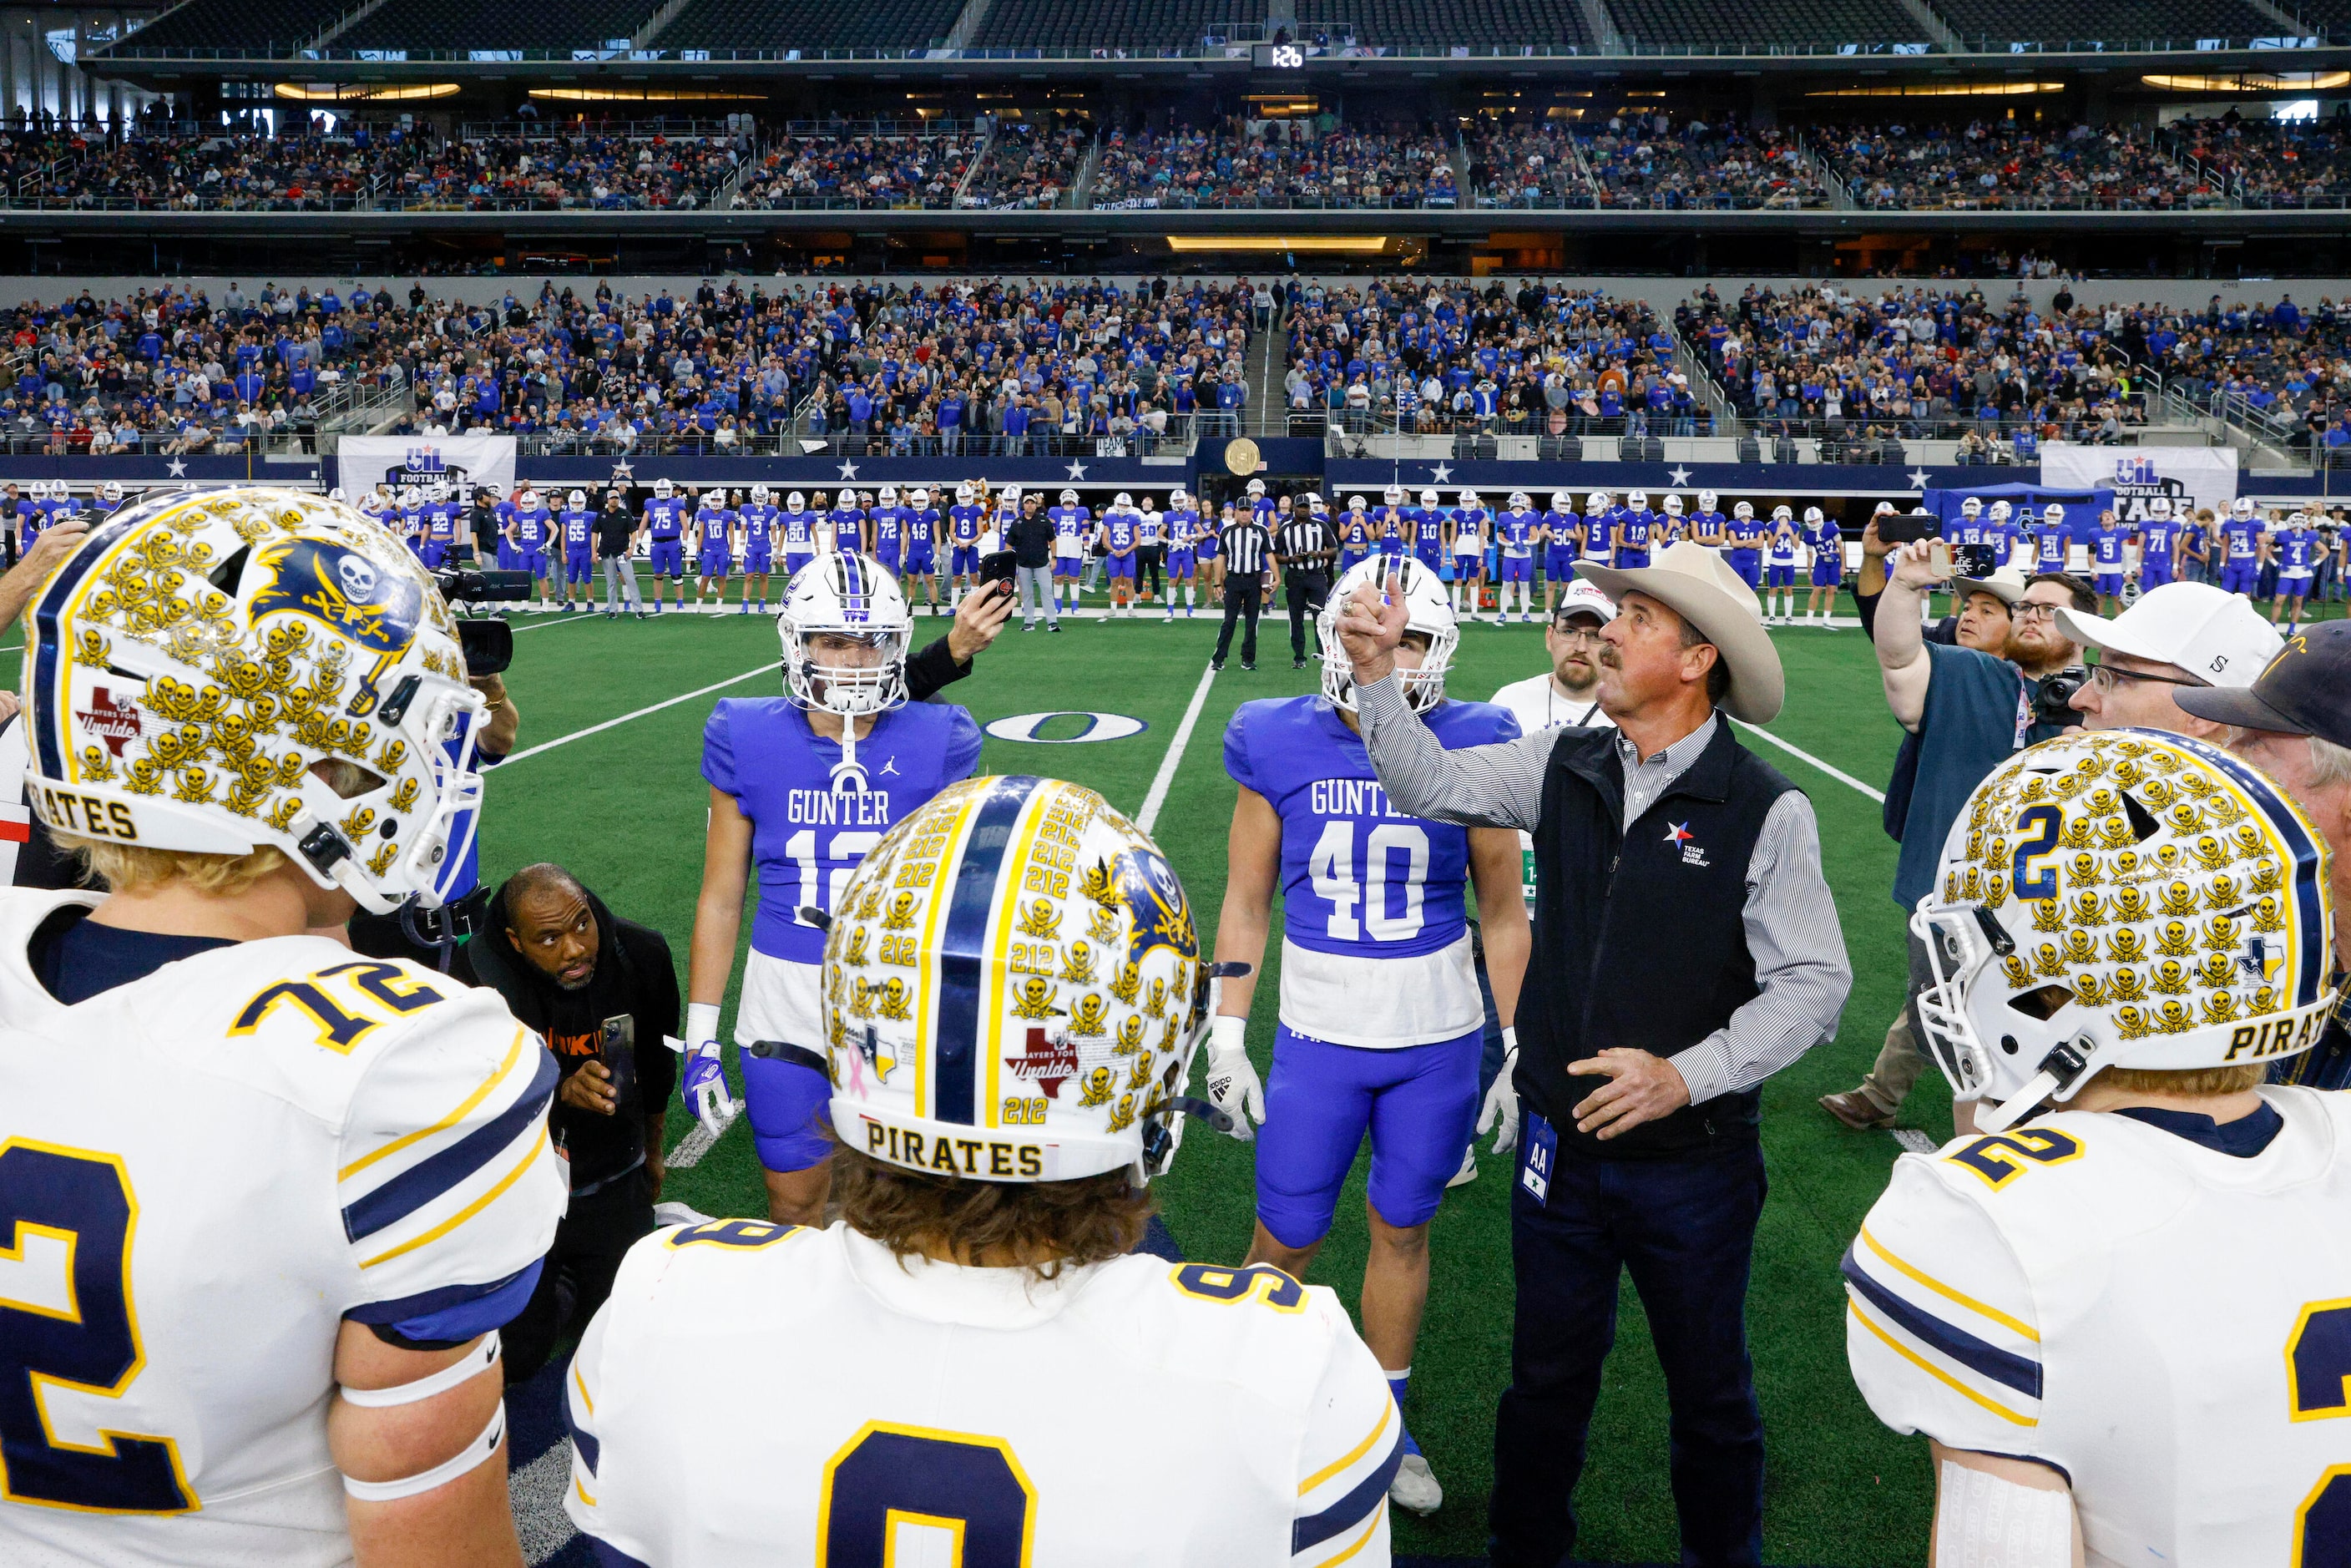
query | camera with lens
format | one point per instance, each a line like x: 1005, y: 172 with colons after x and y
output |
x: 2052, y: 696
x: 486, y: 641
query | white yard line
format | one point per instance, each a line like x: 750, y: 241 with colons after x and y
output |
x: 766, y: 669
x: 1166, y: 778
x: 691, y: 1148
x: 1839, y: 774
x: 1914, y: 1141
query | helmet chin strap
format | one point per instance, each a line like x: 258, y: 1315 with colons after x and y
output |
x: 2000, y: 1118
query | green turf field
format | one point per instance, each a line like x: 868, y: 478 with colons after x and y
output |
x: 623, y: 807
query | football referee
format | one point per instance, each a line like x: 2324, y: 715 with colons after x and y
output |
x: 1247, y: 546
x: 1304, y: 552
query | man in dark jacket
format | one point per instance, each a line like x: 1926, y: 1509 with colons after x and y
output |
x: 603, y: 992
x: 1030, y: 539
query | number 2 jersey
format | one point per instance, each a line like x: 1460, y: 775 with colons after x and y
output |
x: 202, y: 1172
x: 1375, y: 935
x: 1129, y: 1412
x: 811, y: 820
x: 2167, y: 1323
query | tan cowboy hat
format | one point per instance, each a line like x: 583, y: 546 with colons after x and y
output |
x: 1699, y: 586
x: 2007, y: 585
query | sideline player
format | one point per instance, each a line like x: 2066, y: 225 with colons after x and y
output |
x: 713, y: 540
x: 2107, y: 537
x: 268, y: 1203
x: 2052, y: 542
x: 885, y: 523
x: 665, y: 540
x: 796, y: 535
x: 530, y: 537
x: 2120, y: 1325
x: 758, y: 516
x: 575, y: 526
x: 1354, y: 533
x: 2297, y: 548
x: 1637, y: 530
x: 1183, y: 550
x: 992, y: 1373
x: 1744, y: 537
x: 1119, y: 537
x: 1151, y: 552
x: 964, y: 520
x: 1708, y: 526
x: 1560, y: 526
x: 923, y: 547
x: 1380, y: 1016
x: 1071, y: 527
x: 441, y: 511
x: 2245, y: 549
x: 1465, y: 535
x: 2158, y: 545
x: 1780, y: 567
x: 802, y: 787
x: 1516, y: 531
x: 1826, y: 541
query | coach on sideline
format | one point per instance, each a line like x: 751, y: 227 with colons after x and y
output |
x: 1666, y: 823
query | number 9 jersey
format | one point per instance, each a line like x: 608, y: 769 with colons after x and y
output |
x: 1375, y: 935
x: 2164, y: 1318
x: 203, y: 1173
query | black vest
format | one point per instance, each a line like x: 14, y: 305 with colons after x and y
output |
x: 1639, y: 935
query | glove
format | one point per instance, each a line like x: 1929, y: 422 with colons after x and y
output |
x: 1234, y: 1087
x: 705, y: 1081
x: 1502, y: 1100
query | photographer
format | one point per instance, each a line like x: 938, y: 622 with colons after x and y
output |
x: 603, y: 992
x: 1970, y: 710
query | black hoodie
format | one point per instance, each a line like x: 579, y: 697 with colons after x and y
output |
x: 634, y: 977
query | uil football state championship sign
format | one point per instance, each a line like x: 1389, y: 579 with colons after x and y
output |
x: 2188, y: 476
x: 461, y: 462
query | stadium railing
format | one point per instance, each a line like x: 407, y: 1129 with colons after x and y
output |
x: 1174, y: 446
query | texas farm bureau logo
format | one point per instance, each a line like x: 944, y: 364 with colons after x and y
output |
x: 109, y: 719
x: 2137, y: 482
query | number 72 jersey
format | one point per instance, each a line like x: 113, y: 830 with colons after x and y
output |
x: 2167, y: 1323
x: 203, y: 1173
x: 1375, y: 945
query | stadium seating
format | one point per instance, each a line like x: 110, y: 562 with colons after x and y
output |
x: 1648, y: 162
x: 514, y: 25
x: 1998, y: 22
x: 1080, y: 24
x: 231, y: 24
x: 2269, y: 165
x: 1504, y: 25
x: 1288, y: 164
x: 1991, y: 166
x: 808, y: 25
x: 1028, y: 166
x: 612, y: 173
x: 1676, y: 27
x: 876, y: 171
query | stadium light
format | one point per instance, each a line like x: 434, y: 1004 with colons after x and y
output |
x: 2253, y: 81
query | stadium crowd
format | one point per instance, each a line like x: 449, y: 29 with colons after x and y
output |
x: 1276, y: 163
x: 1987, y: 166
x: 1029, y: 167
x: 867, y: 171
x: 606, y: 172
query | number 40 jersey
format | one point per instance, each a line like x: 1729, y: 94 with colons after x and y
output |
x: 203, y: 1173
x: 2168, y: 1323
x: 1376, y: 931
x: 1126, y: 1415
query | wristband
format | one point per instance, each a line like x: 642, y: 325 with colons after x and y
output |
x: 1509, y: 1038
x: 701, y: 1026
x: 1227, y: 1035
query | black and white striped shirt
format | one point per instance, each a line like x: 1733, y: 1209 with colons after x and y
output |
x: 1302, y: 544
x: 1246, y: 547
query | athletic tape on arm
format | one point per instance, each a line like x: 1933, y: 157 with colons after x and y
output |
x: 1984, y: 1520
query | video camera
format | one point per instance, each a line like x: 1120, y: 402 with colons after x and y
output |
x: 486, y: 639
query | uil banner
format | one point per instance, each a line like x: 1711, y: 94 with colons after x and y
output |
x: 459, y: 461
x: 2188, y: 476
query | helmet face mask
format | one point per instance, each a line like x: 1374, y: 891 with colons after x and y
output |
x: 1090, y: 1073
x: 1431, y: 616
x: 2073, y: 926
x: 1706, y: 501
x: 331, y: 645
x: 844, y: 596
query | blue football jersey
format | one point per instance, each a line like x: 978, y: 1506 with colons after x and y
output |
x: 2157, y: 536
x: 578, y: 528
x: 1635, y: 531
x: 531, y: 528
x: 2244, y: 537
x: 809, y: 828
x: 712, y: 525
x: 2106, y: 546
x: 1069, y: 530
x: 664, y: 517
x: 1514, y: 530
x: 963, y: 525
x: 1118, y: 532
x: 888, y: 531
x: 759, y: 524
x: 800, y: 533
x: 2050, y: 545
x: 1358, y: 876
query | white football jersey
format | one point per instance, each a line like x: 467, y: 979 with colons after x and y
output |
x: 763, y: 1395
x: 2168, y: 1324
x: 202, y: 1173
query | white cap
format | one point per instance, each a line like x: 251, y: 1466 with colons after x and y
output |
x: 1580, y: 598
x: 2220, y: 638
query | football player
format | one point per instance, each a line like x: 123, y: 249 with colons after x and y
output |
x: 1355, y: 536
x: 442, y: 512
x: 847, y: 533
x: 1465, y: 534
x: 922, y: 546
x: 575, y: 528
x: 1515, y: 532
x: 2245, y: 549
x: 665, y: 540
x: 268, y: 1202
x: 1429, y: 530
x: 1671, y: 527
x: 2121, y: 1325
x: 802, y: 786
x: 1380, y: 1016
x: 1072, y: 525
x: 1561, y: 527
x: 1150, y: 550
x: 1184, y: 530
x: 1637, y: 530
x: 2297, y: 548
x: 795, y: 532
x: 2158, y: 545
x: 109, y: 501
x: 528, y: 534
x: 885, y: 522
x: 1708, y: 526
x: 1744, y: 539
x: 758, y: 516
x: 1599, y: 529
x: 1012, y: 994
x: 714, y: 538
x: 1392, y: 525
x: 1118, y: 538
x: 2052, y: 542
x: 1826, y: 541
x: 964, y: 523
x: 1780, y: 565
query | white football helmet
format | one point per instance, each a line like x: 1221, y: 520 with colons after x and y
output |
x: 409, y: 496
x: 1355, y: 503
x: 2002, y: 511
x: 371, y: 504
x: 844, y: 593
x: 1597, y: 502
x: 436, y: 492
x: 2078, y: 921
x: 759, y: 493
x: 889, y: 495
x: 1177, y: 500
x: 2158, y: 505
x: 913, y: 1051
x: 1123, y: 501
x: 2242, y: 507
x: 1430, y: 607
x: 1971, y: 507
x: 1069, y: 498
x: 2052, y: 514
x: 2297, y: 519
x: 1428, y: 498
x: 664, y: 488
x: 199, y: 656
x: 1465, y: 498
x: 1706, y: 500
x: 1782, y: 515
x: 1256, y: 488
x: 1393, y: 495
x: 1883, y: 509
x: 577, y: 500
x: 1561, y: 502
x: 796, y: 502
x: 1812, y: 517
x: 1638, y: 500
x: 919, y: 499
x: 964, y: 494
x: 1520, y: 500
x: 1673, y: 506
x: 1744, y: 510
x: 1011, y: 495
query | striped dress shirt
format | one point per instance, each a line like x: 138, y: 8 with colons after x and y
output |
x: 1248, y: 547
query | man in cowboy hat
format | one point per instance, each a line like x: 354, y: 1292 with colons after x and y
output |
x: 1639, y: 1060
